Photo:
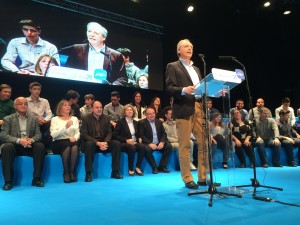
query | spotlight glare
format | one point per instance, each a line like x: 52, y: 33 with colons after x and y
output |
x: 267, y: 4
x: 190, y: 8
x: 287, y: 12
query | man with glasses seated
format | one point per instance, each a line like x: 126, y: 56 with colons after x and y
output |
x: 27, y: 49
x: 21, y: 135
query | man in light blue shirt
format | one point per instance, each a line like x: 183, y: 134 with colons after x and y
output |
x: 28, y: 49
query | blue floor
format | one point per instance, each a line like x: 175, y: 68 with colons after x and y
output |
x: 154, y: 199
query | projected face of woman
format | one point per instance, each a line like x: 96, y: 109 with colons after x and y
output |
x: 44, y: 63
x: 143, y: 82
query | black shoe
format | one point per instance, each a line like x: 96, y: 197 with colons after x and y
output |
x: 204, y: 183
x: 163, y: 170
x: 67, y: 178
x: 277, y: 165
x: 155, y: 170
x: 191, y: 185
x: 201, y: 183
x: 88, y: 177
x: 37, y: 182
x: 265, y: 165
x: 73, y: 178
x: 292, y: 164
x: 7, y: 186
x: 139, y: 173
x: 225, y: 165
x: 116, y: 175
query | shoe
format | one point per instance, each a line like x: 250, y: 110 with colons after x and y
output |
x: 292, y: 164
x: 243, y: 165
x: 265, y: 165
x: 201, y: 183
x: 277, y: 165
x: 191, y: 185
x: 7, y: 186
x: 37, y: 182
x: 163, y: 170
x: 116, y: 175
x: 88, y: 177
x: 204, y: 183
x: 131, y: 174
x: 73, y: 178
x: 192, y: 166
x: 155, y: 170
x: 139, y: 173
x: 225, y: 166
x: 67, y: 178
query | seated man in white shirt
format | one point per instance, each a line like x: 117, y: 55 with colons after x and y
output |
x: 170, y: 128
x: 40, y: 108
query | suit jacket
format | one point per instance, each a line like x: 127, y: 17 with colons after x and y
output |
x: 122, y: 132
x: 88, y: 128
x: 11, y: 128
x: 113, y: 63
x: 146, y: 134
x: 177, y: 77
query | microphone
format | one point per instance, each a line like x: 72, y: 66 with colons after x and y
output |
x: 65, y: 48
x: 105, y: 54
x: 227, y: 57
x: 201, y: 56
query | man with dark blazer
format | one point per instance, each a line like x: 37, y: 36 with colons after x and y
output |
x: 154, y: 137
x: 20, y: 136
x: 181, y: 78
x: 96, y: 136
x: 96, y: 55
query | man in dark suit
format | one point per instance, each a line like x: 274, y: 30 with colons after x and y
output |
x: 181, y: 78
x: 20, y: 136
x: 96, y: 55
x: 154, y: 137
x: 96, y: 135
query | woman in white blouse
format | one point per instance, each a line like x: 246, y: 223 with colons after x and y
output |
x: 65, y: 133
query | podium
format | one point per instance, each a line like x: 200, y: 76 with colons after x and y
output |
x: 218, y: 81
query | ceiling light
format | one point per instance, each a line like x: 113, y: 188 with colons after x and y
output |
x: 190, y: 8
x: 267, y: 4
x: 287, y: 12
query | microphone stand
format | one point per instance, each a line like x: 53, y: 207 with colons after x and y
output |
x: 212, y: 190
x: 254, y: 181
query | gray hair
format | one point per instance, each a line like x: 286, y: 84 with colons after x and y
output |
x: 98, y: 27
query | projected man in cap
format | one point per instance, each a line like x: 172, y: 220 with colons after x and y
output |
x: 96, y: 55
x: 27, y: 49
x: 181, y: 78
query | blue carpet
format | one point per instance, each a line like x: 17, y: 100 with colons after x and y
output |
x: 154, y: 200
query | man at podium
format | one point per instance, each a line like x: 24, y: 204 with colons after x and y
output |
x: 181, y: 78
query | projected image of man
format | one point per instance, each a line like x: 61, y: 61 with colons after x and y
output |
x: 27, y: 49
x: 95, y: 56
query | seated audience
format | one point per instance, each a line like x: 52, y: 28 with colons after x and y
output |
x: 286, y: 107
x: 254, y: 113
x: 156, y: 105
x: 218, y: 134
x: 87, y: 108
x: 21, y: 135
x: 65, y: 133
x: 138, y: 106
x: 126, y: 132
x: 6, y: 104
x: 239, y: 104
x: 170, y: 128
x: 286, y: 133
x: 154, y: 138
x: 241, y: 135
x: 42, y: 64
x: 267, y: 135
x: 114, y: 109
x: 72, y: 97
x: 96, y: 133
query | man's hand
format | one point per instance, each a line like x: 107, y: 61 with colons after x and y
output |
x: 238, y: 143
x: 153, y: 146
x: 130, y: 141
x: 259, y: 140
x: 276, y: 142
x: 113, y: 124
x: 189, y: 90
x: 41, y: 120
x: 247, y: 143
x: 160, y: 145
x: 102, y: 145
x: 26, y: 142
